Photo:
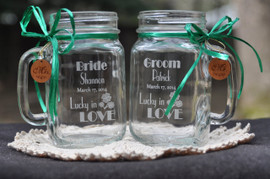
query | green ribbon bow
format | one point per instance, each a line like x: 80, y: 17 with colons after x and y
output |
x: 49, y: 37
x: 199, y: 37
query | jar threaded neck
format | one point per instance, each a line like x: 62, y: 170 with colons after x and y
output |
x: 89, y: 22
x: 169, y: 20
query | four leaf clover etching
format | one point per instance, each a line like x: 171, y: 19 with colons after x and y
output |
x: 178, y: 103
x: 106, y: 101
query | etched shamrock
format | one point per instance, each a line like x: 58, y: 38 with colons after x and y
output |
x: 110, y: 105
x: 178, y: 103
x: 101, y: 104
x: 106, y: 101
x: 106, y: 97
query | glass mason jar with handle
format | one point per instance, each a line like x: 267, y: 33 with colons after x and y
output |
x: 90, y: 92
x: 160, y: 60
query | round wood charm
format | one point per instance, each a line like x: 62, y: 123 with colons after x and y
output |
x: 41, y: 71
x: 219, y: 69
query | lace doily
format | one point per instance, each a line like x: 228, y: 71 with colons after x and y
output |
x: 37, y: 143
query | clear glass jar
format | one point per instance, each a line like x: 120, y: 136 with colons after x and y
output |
x: 158, y: 65
x: 91, y: 97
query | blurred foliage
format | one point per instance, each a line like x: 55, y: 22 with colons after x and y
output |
x: 127, y: 10
x: 258, y: 108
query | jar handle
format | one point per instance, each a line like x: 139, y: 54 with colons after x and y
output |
x: 22, y: 90
x: 232, y: 93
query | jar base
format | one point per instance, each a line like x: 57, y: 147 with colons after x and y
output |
x: 77, y: 137
x: 166, y: 136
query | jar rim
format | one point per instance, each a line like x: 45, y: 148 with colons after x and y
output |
x: 169, y: 20
x: 88, y: 15
x: 162, y: 13
x: 88, y: 21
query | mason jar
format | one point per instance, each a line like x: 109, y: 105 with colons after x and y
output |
x: 91, y: 102
x: 160, y: 60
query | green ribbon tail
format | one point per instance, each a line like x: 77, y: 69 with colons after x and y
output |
x: 54, y: 80
x: 182, y: 84
x: 241, y: 67
x: 41, y: 102
x: 256, y: 53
